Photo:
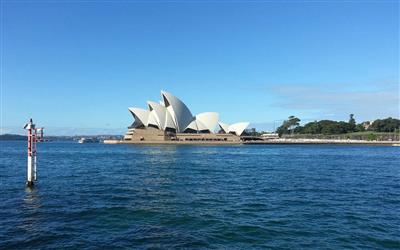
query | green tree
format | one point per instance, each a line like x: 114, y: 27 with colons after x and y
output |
x: 311, y: 128
x: 326, y: 127
x: 371, y: 137
x: 288, y: 125
x: 352, y: 120
x: 385, y: 125
x: 352, y: 123
x: 359, y: 128
x: 293, y: 122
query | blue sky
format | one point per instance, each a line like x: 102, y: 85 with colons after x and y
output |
x: 76, y: 66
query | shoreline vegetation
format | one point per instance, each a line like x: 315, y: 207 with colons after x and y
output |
x: 378, y: 130
x: 363, y: 136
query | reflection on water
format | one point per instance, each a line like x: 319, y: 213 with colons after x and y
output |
x: 31, y: 206
x: 161, y: 154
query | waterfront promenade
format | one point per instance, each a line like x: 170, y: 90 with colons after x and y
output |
x: 258, y: 142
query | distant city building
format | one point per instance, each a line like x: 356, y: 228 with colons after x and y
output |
x: 171, y: 119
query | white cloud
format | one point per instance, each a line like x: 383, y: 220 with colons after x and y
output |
x: 336, y: 101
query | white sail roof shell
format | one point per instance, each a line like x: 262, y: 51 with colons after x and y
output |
x: 224, y: 126
x: 171, y: 112
x: 178, y: 110
x: 193, y: 125
x: 153, y: 119
x: 141, y: 115
x: 200, y: 126
x: 207, y: 120
x: 238, y: 128
x: 169, y: 120
x: 159, y: 112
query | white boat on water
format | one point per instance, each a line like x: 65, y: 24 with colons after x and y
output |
x: 87, y: 140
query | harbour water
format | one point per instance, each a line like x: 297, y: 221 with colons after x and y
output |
x: 185, y: 196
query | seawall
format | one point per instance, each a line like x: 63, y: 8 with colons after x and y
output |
x: 265, y: 142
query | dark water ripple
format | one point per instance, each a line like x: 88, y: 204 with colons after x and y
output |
x: 116, y: 196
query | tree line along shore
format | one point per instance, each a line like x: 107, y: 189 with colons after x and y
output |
x: 380, y: 129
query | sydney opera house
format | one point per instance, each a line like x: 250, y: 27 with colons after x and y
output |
x: 171, y: 120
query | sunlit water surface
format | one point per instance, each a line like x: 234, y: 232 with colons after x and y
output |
x: 274, y: 196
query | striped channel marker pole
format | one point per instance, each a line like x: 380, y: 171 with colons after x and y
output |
x: 31, y: 170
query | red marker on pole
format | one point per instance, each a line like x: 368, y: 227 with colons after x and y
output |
x: 31, y: 170
x: 40, y: 137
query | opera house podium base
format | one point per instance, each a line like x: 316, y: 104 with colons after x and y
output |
x: 149, y: 135
x: 173, y: 142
